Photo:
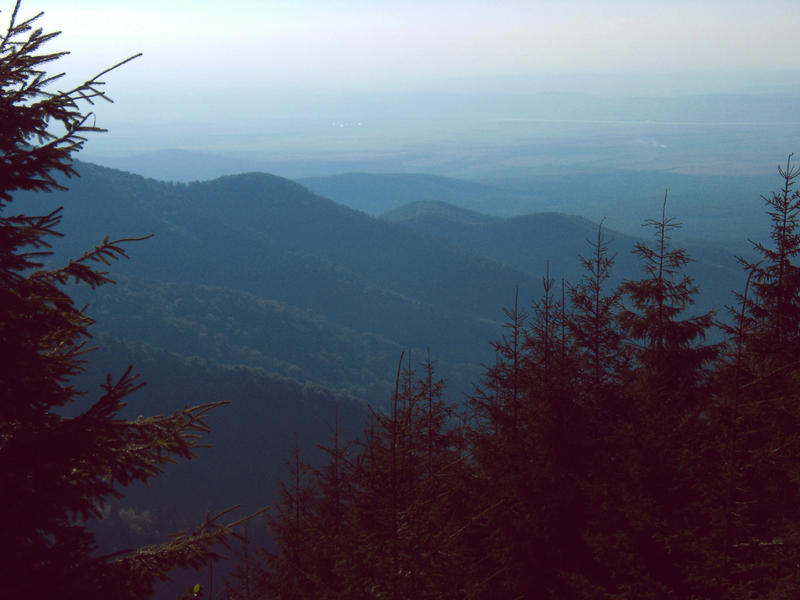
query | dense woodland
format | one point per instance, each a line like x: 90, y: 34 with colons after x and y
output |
x: 623, y: 441
x: 609, y: 452
x: 262, y: 272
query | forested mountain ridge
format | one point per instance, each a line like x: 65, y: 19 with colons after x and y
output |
x: 268, y: 237
x: 236, y: 328
x: 253, y: 273
x: 253, y: 232
x: 256, y: 238
x: 523, y: 241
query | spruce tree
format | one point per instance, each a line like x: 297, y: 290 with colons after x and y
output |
x: 592, y: 323
x: 386, y: 516
x: 759, y: 412
x: 64, y: 454
x: 528, y: 476
x: 293, y: 570
x: 661, y: 418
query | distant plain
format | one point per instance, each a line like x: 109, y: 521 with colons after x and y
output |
x: 592, y: 156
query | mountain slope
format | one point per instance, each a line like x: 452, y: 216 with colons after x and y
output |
x: 269, y: 238
x: 239, y: 257
x: 533, y: 243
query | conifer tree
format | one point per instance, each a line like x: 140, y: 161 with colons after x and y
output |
x: 529, y: 494
x: 774, y: 310
x: 60, y: 462
x: 292, y: 571
x: 497, y: 401
x: 760, y: 412
x: 384, y: 517
x: 665, y: 341
x: 592, y: 323
x: 665, y: 396
x: 405, y: 506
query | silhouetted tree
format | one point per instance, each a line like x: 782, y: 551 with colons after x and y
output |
x: 662, y: 420
x: 773, y: 310
x: 383, y: 518
x: 60, y: 463
x: 760, y: 413
x: 530, y: 500
x: 592, y: 323
x: 293, y: 569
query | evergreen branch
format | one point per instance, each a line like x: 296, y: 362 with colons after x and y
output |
x: 80, y: 272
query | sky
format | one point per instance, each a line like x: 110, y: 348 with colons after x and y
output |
x: 330, y: 45
x: 242, y: 61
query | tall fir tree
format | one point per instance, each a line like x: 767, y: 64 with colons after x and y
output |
x: 665, y: 398
x: 773, y: 311
x: 385, y: 516
x: 592, y: 324
x: 759, y: 413
x: 59, y: 467
x: 531, y: 498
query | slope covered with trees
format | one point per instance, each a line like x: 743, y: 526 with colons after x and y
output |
x: 266, y: 237
x: 611, y: 451
x: 254, y: 269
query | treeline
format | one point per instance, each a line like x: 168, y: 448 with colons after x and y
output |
x: 611, y: 451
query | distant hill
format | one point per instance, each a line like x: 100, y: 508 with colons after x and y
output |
x: 723, y: 209
x: 433, y: 212
x: 526, y: 242
x: 712, y: 207
x: 179, y: 165
x: 377, y: 193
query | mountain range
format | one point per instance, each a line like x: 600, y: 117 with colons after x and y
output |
x: 255, y: 269
x: 257, y: 290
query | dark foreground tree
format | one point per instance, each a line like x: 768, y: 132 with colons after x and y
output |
x: 759, y: 413
x: 385, y: 517
x: 59, y: 464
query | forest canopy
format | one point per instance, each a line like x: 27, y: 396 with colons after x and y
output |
x: 611, y: 451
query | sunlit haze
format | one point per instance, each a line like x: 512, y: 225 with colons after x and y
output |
x: 265, y: 67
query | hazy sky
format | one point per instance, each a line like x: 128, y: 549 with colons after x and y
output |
x: 367, y: 45
x: 201, y: 58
